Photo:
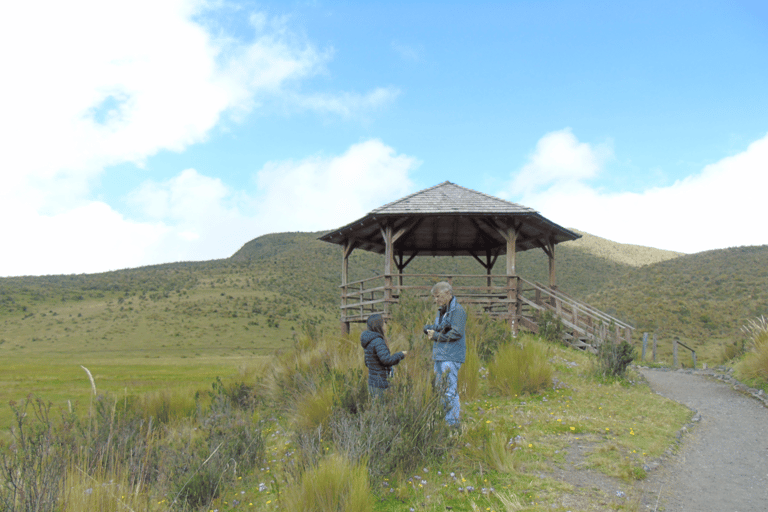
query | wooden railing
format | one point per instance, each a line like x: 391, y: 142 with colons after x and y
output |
x: 586, y: 322
x: 519, y: 301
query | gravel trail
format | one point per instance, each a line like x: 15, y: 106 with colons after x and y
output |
x: 722, y: 464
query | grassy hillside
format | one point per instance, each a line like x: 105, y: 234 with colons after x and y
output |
x: 701, y: 297
x: 633, y: 255
x: 218, y: 312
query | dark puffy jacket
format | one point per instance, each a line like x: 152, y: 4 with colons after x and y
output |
x: 378, y: 359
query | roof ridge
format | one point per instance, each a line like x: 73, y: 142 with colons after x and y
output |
x: 458, y: 189
x: 411, y: 195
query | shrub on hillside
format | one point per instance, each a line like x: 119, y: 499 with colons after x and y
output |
x: 520, y: 367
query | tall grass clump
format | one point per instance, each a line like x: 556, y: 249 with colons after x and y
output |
x: 469, y: 375
x: 165, y: 405
x: 754, y: 365
x: 335, y: 484
x: 493, y: 448
x: 520, y: 367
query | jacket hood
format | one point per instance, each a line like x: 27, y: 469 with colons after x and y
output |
x: 367, y: 337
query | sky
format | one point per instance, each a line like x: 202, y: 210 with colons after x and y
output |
x: 145, y: 132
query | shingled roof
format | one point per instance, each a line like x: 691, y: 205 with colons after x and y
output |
x: 449, y: 198
x: 450, y: 220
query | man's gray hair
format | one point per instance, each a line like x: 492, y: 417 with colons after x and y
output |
x: 441, y: 287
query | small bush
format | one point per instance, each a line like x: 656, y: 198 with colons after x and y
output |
x: 550, y: 327
x: 34, y: 465
x: 520, y: 368
x: 335, y: 484
x: 613, y: 359
x: 398, y: 432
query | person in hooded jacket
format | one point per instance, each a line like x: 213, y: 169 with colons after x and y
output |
x: 378, y: 358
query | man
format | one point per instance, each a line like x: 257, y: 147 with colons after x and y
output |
x: 450, y: 347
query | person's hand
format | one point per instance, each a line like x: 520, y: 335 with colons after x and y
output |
x: 430, y: 333
x: 405, y: 353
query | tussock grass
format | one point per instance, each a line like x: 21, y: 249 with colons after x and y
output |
x: 754, y: 365
x: 520, y: 368
x: 334, y: 485
x: 469, y: 375
x: 166, y: 405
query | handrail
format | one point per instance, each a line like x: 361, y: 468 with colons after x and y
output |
x: 593, y: 310
x: 582, y: 305
x: 446, y: 276
x: 512, y: 300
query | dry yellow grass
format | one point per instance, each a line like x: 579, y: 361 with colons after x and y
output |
x: 634, y: 255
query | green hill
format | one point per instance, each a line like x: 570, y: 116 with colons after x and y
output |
x: 281, y: 280
x: 709, y: 294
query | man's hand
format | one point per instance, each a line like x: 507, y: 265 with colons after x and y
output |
x: 430, y: 334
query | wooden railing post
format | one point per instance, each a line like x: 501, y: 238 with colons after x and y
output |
x: 645, y: 344
x: 654, y: 347
x: 674, y: 353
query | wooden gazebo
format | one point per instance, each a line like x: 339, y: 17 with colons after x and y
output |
x: 450, y: 220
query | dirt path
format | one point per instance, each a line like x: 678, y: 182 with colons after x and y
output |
x: 722, y: 465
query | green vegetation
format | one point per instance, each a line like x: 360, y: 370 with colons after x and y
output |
x: 753, y: 367
x: 224, y: 384
x: 520, y: 368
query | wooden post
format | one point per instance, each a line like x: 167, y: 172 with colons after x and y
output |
x: 347, y: 249
x: 552, y: 276
x: 645, y: 344
x: 654, y: 347
x: 389, y: 259
x: 674, y: 353
x: 694, y: 359
x: 512, y: 283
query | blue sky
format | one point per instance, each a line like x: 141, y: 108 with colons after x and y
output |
x: 179, y: 130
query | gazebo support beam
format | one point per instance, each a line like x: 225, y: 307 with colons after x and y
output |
x: 348, y: 247
x: 389, y: 260
x: 549, y: 250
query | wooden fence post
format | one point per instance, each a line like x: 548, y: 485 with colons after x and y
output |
x: 645, y: 344
x: 654, y: 347
x: 674, y: 353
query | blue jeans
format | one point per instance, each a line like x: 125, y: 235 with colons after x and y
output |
x: 449, y: 371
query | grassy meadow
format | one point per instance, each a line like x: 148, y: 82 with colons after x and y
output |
x: 225, y: 385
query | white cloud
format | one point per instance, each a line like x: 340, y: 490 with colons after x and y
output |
x: 196, y: 217
x: 89, y: 84
x: 559, y: 157
x: 347, y: 104
x: 321, y: 193
x: 722, y: 206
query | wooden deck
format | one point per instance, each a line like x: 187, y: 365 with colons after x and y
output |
x: 522, y: 303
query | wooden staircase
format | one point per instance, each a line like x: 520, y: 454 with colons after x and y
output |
x: 586, y: 327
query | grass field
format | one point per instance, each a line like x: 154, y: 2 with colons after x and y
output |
x: 189, y: 330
